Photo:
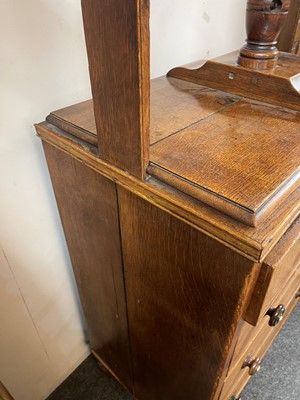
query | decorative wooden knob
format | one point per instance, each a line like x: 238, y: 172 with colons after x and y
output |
x: 264, y: 20
x: 253, y: 364
x: 276, y: 314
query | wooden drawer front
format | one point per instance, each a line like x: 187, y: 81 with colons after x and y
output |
x: 259, y: 340
x: 276, y: 270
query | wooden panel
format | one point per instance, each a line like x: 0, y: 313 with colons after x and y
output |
x: 253, y: 243
x: 287, y: 36
x: 275, y: 272
x: 243, y: 160
x: 232, y: 168
x: 175, y: 104
x: 78, y: 120
x: 117, y: 38
x: 278, y: 85
x: 88, y: 207
x: 185, y: 293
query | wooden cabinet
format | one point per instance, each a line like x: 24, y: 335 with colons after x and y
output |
x: 289, y: 39
x: 179, y: 200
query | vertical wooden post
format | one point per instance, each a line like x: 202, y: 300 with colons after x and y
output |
x: 117, y: 39
x: 287, y: 37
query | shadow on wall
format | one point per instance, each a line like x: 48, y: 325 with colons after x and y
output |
x: 43, y: 67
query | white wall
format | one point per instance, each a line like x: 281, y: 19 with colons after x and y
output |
x: 43, y: 67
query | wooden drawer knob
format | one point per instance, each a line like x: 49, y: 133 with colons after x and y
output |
x: 276, y: 314
x: 253, y: 364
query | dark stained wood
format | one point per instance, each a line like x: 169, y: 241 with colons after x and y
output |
x: 243, y: 160
x: 280, y: 85
x: 289, y: 38
x: 185, y: 293
x: 117, y: 38
x: 259, y: 342
x: 264, y: 20
x: 88, y: 208
x: 177, y: 104
x: 229, y: 178
x: 254, y: 243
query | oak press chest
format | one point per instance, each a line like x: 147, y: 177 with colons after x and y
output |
x: 179, y: 199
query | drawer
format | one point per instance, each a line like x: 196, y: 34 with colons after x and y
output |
x: 275, y: 271
x: 297, y: 34
x: 259, y: 340
x: 248, y: 333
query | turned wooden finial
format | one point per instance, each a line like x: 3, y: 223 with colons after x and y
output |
x: 264, y: 20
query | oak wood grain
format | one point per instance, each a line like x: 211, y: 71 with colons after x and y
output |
x: 175, y: 105
x: 243, y: 160
x: 91, y: 228
x: 254, y: 243
x: 77, y: 120
x: 117, y: 39
x: 185, y: 294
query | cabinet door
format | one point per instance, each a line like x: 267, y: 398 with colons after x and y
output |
x: 88, y: 208
x: 185, y: 293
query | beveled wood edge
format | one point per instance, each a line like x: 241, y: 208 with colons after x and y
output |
x: 285, y: 41
x: 167, y: 198
x: 74, y: 130
x: 208, y: 197
x: 150, y: 190
x: 236, y: 211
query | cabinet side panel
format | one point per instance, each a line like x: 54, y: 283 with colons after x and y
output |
x: 185, y: 294
x: 88, y: 208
